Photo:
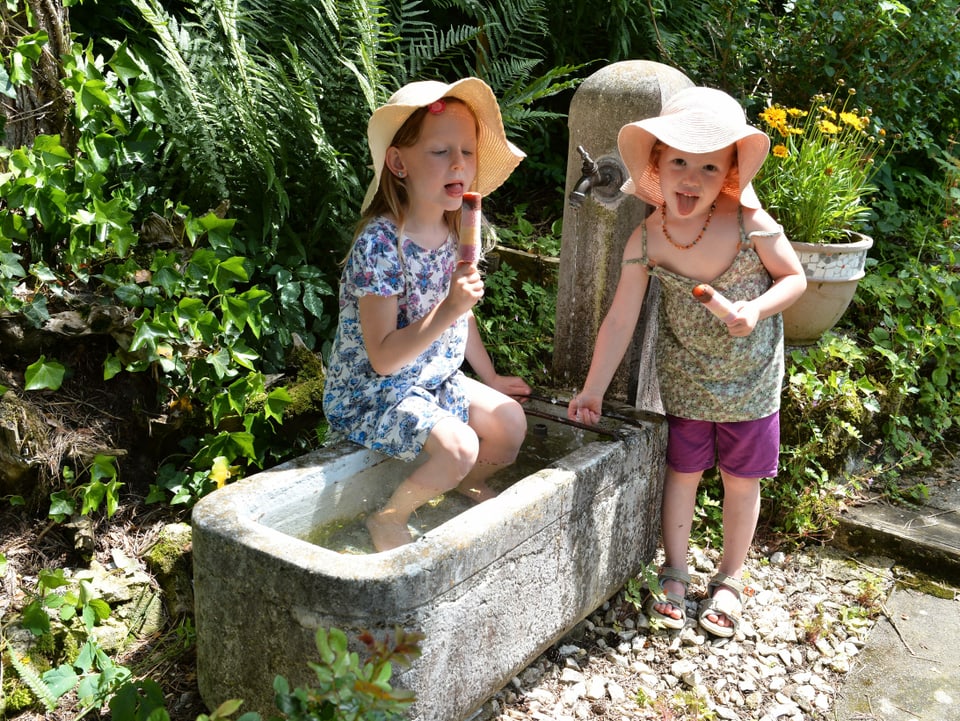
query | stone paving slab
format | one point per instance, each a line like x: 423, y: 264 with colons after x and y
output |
x: 924, y: 538
x: 910, y: 667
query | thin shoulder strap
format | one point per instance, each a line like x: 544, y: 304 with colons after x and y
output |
x: 642, y: 260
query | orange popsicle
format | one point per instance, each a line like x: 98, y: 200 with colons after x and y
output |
x: 715, y: 301
x: 469, y: 248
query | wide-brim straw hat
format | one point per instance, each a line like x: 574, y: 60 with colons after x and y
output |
x: 497, y: 157
x: 694, y: 120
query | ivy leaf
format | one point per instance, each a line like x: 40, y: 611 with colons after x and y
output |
x: 220, y: 362
x: 111, y: 367
x: 42, y: 375
x: 277, y: 401
x: 124, y: 64
x: 218, y: 230
x: 35, y: 619
x: 229, y: 272
x: 6, y: 85
x: 61, y: 506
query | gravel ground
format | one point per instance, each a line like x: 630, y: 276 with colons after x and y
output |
x: 805, y: 619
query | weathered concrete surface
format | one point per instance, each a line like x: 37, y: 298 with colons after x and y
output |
x: 491, y: 589
x: 910, y: 667
x: 595, y: 234
x: 924, y: 537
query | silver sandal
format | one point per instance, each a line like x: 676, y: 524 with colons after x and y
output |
x: 661, y: 595
x: 724, y: 607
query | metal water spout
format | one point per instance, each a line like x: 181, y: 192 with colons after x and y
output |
x: 595, y: 231
x: 603, y: 178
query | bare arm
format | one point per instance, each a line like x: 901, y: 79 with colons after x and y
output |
x: 479, y: 360
x: 614, y: 336
x: 781, y: 262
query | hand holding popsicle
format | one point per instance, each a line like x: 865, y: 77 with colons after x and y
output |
x: 469, y: 248
x: 715, y: 301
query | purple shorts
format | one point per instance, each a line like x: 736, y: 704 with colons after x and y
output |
x: 747, y: 449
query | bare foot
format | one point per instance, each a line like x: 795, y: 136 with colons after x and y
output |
x: 665, y: 608
x: 387, y: 531
x: 718, y: 618
x: 476, y: 491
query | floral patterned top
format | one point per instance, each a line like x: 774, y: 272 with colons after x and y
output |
x: 370, y: 408
x: 704, y: 372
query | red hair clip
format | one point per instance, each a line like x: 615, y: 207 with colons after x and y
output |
x: 437, y: 107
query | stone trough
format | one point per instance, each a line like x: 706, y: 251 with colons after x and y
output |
x: 491, y: 587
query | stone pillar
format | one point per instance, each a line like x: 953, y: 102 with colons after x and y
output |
x: 595, y: 233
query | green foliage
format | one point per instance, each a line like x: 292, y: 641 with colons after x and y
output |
x: 33, y: 681
x: 67, y: 598
x: 350, y: 690
x: 894, y: 53
x: 517, y: 320
x: 44, y: 375
x: 818, y: 182
x: 74, y: 605
x: 93, y: 675
x: 101, y: 488
x: 522, y: 234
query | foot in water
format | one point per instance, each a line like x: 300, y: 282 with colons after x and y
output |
x: 387, y: 531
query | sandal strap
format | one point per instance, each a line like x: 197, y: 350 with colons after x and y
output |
x: 673, y: 574
x: 722, y: 579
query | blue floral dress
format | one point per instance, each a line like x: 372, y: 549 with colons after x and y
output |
x: 394, y: 414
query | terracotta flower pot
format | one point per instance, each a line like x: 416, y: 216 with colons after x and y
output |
x: 833, y: 271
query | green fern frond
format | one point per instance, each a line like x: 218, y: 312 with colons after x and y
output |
x: 32, y: 679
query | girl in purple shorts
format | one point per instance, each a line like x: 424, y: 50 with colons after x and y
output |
x: 719, y: 380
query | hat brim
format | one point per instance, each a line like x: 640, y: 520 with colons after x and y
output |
x: 497, y: 157
x: 691, y: 131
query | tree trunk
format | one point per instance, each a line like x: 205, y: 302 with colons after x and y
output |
x: 42, y: 107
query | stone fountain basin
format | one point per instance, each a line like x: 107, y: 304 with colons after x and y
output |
x: 491, y: 588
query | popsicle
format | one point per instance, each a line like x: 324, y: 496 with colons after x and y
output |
x: 715, y: 301
x: 469, y: 247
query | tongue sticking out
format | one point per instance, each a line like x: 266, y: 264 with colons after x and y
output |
x: 686, y: 203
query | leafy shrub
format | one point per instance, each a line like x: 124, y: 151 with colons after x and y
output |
x: 517, y: 320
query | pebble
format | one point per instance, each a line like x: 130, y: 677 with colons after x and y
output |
x: 796, y: 641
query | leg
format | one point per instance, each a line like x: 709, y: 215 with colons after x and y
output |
x: 501, y: 426
x: 451, y: 450
x: 679, y: 502
x: 741, y: 508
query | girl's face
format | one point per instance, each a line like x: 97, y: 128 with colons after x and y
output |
x: 442, y: 164
x: 690, y: 182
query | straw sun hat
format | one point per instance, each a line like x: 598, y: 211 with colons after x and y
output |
x: 694, y: 120
x: 496, y: 156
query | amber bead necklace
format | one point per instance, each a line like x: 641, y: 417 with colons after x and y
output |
x: 666, y: 233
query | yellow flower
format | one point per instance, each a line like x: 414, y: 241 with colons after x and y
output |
x: 852, y: 119
x: 828, y: 128
x: 822, y: 186
x: 776, y: 117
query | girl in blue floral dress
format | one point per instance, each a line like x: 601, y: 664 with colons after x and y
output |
x: 720, y: 381
x: 406, y: 325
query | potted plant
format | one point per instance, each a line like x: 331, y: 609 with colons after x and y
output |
x: 816, y: 184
